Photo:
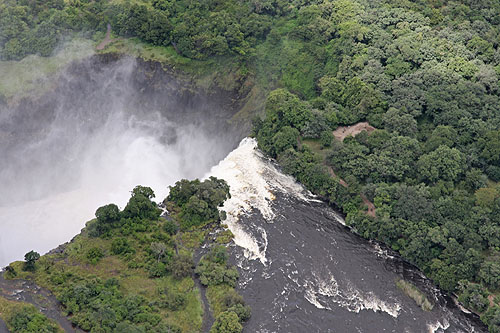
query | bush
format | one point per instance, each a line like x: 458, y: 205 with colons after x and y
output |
x: 213, y: 269
x: 157, y: 269
x: 473, y: 296
x: 170, y: 227
x: 28, y: 319
x: 181, y: 266
x: 106, y: 219
x: 140, y: 205
x: 30, y: 258
x: 490, y: 274
x: 199, y: 201
x: 94, y: 255
x: 172, y: 300
x: 227, y: 322
x: 11, y: 271
x: 326, y: 139
x: 121, y: 246
x: 234, y: 302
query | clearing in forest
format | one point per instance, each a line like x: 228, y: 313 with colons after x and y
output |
x: 344, y: 131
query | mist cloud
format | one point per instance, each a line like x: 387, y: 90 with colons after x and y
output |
x: 88, y: 143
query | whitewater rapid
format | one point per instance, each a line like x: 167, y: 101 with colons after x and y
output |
x: 252, y: 182
x: 302, y: 270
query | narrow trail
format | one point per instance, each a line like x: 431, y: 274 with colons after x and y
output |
x: 42, y: 299
x: 368, y: 203
x: 208, y: 318
x: 107, y: 39
x: 3, y: 326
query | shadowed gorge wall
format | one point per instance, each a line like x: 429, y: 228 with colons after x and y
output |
x: 109, y: 123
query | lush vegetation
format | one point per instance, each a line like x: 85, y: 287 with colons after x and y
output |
x: 131, y: 270
x: 414, y: 293
x: 25, y: 318
x: 424, y: 73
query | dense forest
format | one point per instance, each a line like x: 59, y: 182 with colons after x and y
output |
x: 423, y: 73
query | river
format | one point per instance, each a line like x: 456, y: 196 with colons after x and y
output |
x: 303, y: 270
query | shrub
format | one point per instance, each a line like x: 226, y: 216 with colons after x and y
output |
x: 181, y: 266
x: 121, y: 246
x: 172, y: 300
x: 106, y: 219
x: 326, y: 139
x: 94, y: 255
x: 30, y: 258
x: 227, y: 322
x: 28, y: 319
x: 170, y: 227
x: 213, y: 269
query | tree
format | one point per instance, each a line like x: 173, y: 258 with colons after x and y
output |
x: 143, y: 190
x: 285, y: 109
x: 284, y: 139
x: 106, y: 218
x: 227, y: 322
x: 326, y: 138
x: 444, y: 163
x: 158, y: 249
x: 490, y: 274
x: 30, y: 258
x: 491, y: 150
x: 181, y: 265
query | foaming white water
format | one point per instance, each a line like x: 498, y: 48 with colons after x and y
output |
x: 252, y: 180
x: 438, y: 326
x: 323, y: 293
x: 111, y: 162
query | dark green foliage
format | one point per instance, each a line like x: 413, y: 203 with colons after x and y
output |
x: 214, y: 270
x: 11, y: 271
x: 94, y: 255
x: 170, y: 227
x: 227, y: 322
x: 490, y: 273
x: 199, y: 201
x: 171, y: 300
x: 121, y: 246
x: 30, y: 259
x: 326, y: 139
x: 234, y: 302
x: 473, y: 296
x: 107, y: 217
x: 100, y: 306
x: 492, y: 318
x: 140, y: 205
x: 29, y: 319
x: 181, y: 266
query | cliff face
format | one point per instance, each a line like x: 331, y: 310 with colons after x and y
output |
x: 92, y: 92
x: 105, y: 124
x: 150, y: 86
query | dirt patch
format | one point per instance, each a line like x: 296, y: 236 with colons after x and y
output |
x: 368, y: 203
x: 344, y: 131
x: 334, y: 175
x: 107, y: 39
